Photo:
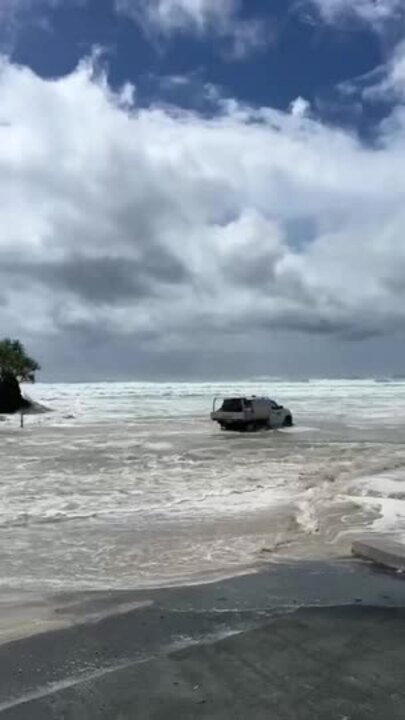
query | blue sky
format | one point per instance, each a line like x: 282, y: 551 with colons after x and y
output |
x: 294, y: 55
x: 192, y: 188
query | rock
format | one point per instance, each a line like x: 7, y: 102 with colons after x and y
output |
x: 11, y: 399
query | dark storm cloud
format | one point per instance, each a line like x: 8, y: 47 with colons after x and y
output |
x: 89, y: 333
x: 309, y: 322
x: 347, y: 328
x: 103, y: 279
x: 252, y: 272
x: 264, y: 273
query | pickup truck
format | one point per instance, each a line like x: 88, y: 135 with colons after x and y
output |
x: 250, y: 413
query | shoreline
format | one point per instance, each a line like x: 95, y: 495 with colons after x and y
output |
x: 28, y: 612
x: 109, y: 644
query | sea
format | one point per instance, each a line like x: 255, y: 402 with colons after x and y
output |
x: 130, y: 485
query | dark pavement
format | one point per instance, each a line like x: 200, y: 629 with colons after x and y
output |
x: 300, y: 642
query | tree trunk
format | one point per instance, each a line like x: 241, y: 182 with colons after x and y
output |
x: 11, y: 400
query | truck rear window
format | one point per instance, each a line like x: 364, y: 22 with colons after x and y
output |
x: 232, y: 405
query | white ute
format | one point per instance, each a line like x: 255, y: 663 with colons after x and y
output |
x: 249, y: 414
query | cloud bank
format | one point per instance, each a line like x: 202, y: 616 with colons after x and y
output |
x: 184, y: 234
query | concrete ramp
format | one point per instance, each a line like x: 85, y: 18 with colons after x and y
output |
x: 242, y: 648
x: 382, y: 550
x: 315, y: 664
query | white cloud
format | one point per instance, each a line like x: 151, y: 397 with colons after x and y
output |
x: 219, y: 19
x: 300, y: 107
x: 16, y: 15
x: 170, y: 15
x: 376, y: 12
x: 175, y: 228
x: 384, y: 84
x: 387, y: 82
x: 10, y: 7
x: 11, y: 12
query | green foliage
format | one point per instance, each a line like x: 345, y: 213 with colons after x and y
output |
x: 15, y: 361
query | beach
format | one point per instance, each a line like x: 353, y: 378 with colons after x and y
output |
x: 139, y: 542
x: 132, y: 486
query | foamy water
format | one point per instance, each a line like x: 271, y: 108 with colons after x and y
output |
x: 129, y: 485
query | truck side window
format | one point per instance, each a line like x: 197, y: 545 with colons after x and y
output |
x: 232, y: 405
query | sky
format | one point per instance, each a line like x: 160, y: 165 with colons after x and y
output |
x: 203, y: 189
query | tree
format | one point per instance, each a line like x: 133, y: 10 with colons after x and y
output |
x: 15, y: 362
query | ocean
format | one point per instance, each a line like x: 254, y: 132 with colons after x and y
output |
x: 130, y: 485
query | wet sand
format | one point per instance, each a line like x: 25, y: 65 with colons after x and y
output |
x: 302, y: 641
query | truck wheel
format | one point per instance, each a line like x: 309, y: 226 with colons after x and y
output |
x: 288, y: 422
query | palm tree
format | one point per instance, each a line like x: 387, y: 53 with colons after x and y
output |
x: 15, y: 362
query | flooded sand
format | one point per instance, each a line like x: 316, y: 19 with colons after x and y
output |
x: 89, y: 501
